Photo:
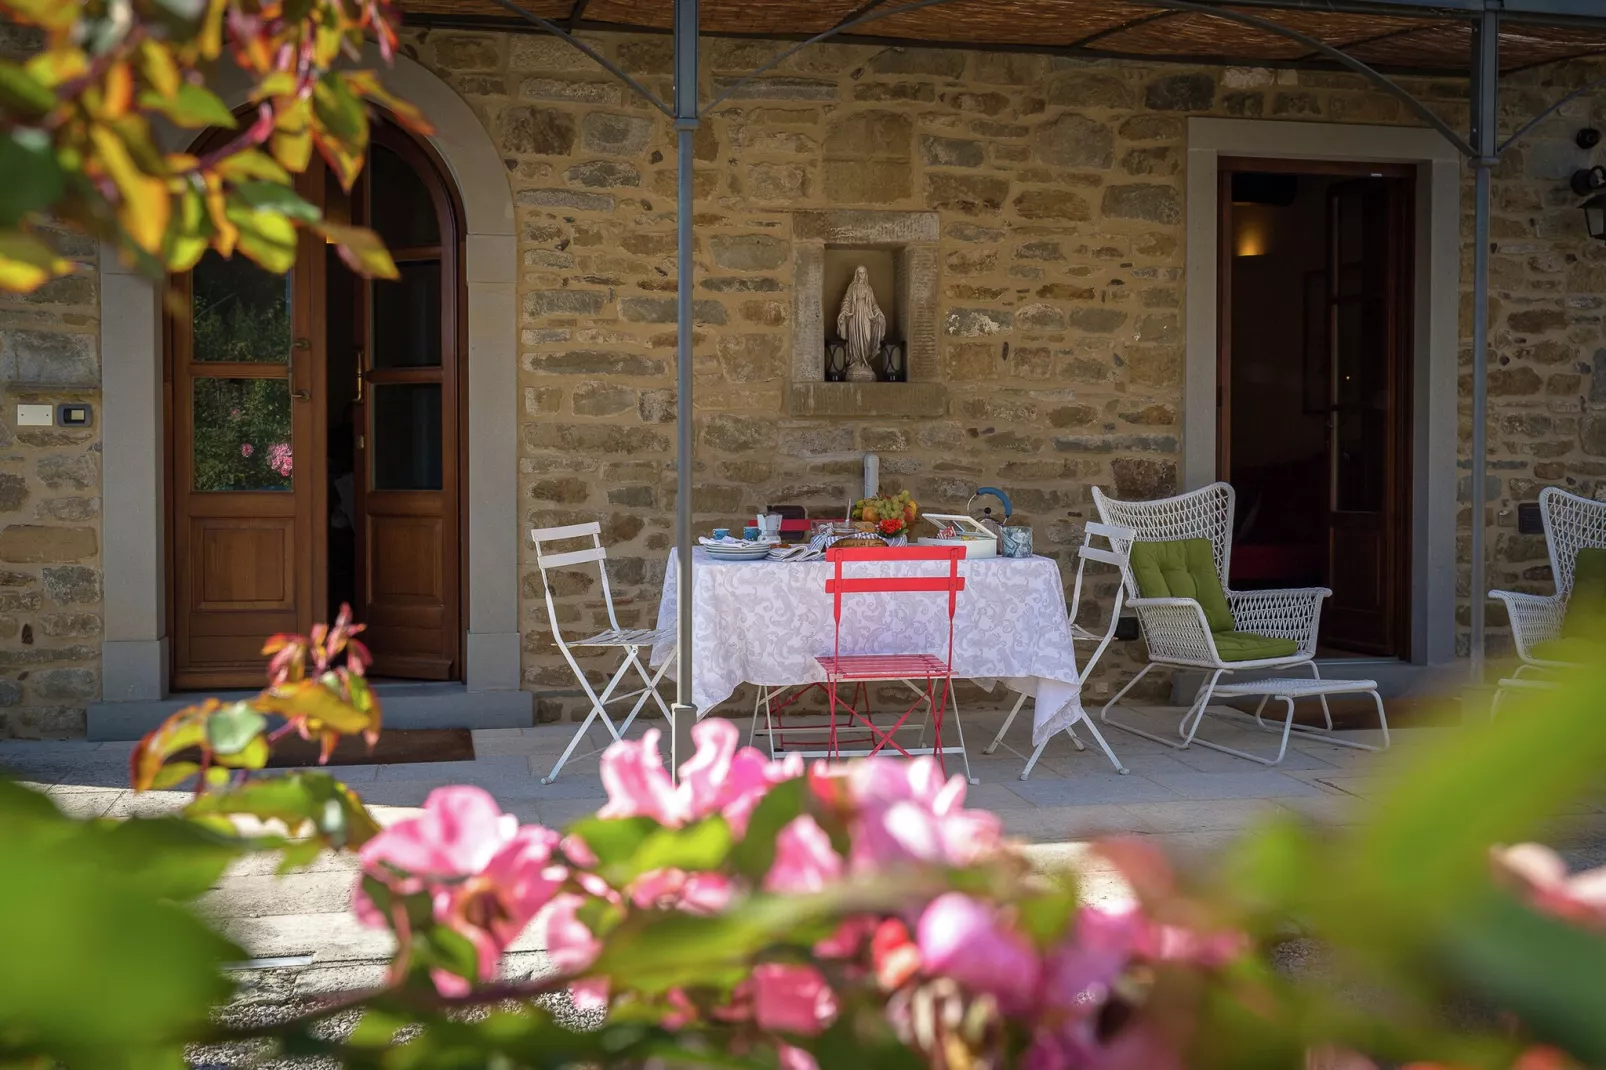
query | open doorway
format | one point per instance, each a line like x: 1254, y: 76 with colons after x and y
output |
x: 313, y: 431
x: 1314, y: 388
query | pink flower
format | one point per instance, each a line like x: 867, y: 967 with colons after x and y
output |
x: 1077, y: 975
x: 967, y: 941
x: 804, y: 860
x: 792, y: 999
x: 675, y: 889
x: 280, y: 458
x: 909, y: 814
x: 1542, y: 875
x: 573, y: 948
x: 791, y: 1058
x: 717, y: 778
x: 246, y: 449
x: 235, y: 412
x: 486, y: 877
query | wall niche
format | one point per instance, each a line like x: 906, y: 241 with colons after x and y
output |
x: 899, y: 251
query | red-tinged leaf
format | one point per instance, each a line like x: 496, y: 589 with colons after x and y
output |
x: 159, y: 68
x: 58, y: 65
x: 368, y: 84
x: 23, y: 94
x: 318, y: 706
x: 26, y: 263
x: 117, y: 91
x: 181, y: 731
x: 361, y: 249
x: 192, y: 107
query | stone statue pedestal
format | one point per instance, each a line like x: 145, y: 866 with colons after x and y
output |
x: 860, y: 373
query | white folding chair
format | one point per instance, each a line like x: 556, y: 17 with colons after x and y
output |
x: 631, y: 641
x: 1119, y: 539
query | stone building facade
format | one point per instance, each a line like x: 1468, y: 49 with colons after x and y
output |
x: 1055, y: 194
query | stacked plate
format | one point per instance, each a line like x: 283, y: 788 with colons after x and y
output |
x: 753, y: 552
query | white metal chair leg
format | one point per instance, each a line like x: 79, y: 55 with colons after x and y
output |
x: 1316, y: 674
x: 1098, y: 737
x: 752, y: 732
x: 1193, y: 714
x: 959, y: 729
x: 999, y: 738
x: 1282, y: 749
x: 651, y: 691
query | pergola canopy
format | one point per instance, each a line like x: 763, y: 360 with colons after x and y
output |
x: 1402, y: 36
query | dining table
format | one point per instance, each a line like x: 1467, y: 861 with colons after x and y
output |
x: 765, y: 622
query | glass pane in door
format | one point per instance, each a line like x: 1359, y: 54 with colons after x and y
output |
x: 403, y: 211
x: 407, y: 436
x: 407, y: 317
x: 241, y: 434
x: 240, y: 312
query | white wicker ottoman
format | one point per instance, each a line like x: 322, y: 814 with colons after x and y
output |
x: 1287, y: 690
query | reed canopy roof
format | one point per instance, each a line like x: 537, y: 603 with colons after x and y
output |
x: 1431, y: 37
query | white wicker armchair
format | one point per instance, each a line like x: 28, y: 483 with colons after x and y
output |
x: 1176, y: 630
x: 1571, y: 524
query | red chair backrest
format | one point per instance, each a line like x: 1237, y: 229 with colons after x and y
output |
x: 839, y: 585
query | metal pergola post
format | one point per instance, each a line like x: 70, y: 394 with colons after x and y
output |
x: 686, y: 113
x: 1485, y: 98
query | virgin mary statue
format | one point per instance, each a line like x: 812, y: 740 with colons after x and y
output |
x: 863, y: 325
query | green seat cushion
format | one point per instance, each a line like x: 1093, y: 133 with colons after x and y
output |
x: 1572, y: 649
x: 1586, y: 606
x: 1249, y: 646
x: 1183, y: 568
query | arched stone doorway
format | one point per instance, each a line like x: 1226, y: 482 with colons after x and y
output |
x: 136, y: 653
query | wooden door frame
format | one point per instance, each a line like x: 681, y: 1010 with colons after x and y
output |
x: 319, y: 591
x: 1402, y: 473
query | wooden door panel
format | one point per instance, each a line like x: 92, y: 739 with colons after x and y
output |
x: 244, y: 564
x: 405, y: 561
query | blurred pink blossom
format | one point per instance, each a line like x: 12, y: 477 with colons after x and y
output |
x: 675, y: 889
x: 792, y: 999
x: 717, y: 778
x: 909, y: 813
x: 246, y: 449
x: 967, y: 941
x: 804, y: 859
x: 573, y: 948
x: 1542, y: 875
x: 486, y: 877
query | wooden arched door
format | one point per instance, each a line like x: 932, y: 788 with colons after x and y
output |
x: 314, y: 437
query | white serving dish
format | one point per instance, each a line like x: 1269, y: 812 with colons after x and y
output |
x: 977, y: 540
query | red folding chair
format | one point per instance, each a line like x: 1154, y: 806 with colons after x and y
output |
x: 862, y: 669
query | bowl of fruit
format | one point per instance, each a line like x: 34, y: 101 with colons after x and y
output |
x: 889, y: 515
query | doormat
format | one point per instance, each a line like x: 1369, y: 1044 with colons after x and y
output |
x: 401, y: 746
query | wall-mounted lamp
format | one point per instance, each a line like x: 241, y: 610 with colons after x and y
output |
x: 1589, y: 183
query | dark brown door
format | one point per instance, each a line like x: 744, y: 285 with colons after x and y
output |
x: 243, y: 361
x: 407, y: 486
x: 1366, y: 289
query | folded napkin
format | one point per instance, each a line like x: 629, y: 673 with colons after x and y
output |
x: 726, y: 541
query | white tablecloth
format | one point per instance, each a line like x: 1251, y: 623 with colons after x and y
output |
x: 764, y: 622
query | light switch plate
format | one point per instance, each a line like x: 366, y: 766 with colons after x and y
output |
x: 36, y: 415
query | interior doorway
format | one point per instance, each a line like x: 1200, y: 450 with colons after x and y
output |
x: 313, y: 432
x: 1314, y: 384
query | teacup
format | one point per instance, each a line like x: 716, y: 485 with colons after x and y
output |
x: 722, y: 533
x: 750, y: 533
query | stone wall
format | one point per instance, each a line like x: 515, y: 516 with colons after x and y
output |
x: 1058, y: 187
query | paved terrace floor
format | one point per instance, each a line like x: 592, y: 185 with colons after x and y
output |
x: 1191, y: 802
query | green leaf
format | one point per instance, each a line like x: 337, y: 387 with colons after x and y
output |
x: 252, y: 163
x: 1046, y: 916
x: 301, y: 800
x: 96, y: 967
x: 270, y: 240
x: 695, y: 848
x: 170, y: 857
x: 192, y: 107
x: 21, y: 93
x: 754, y: 856
x: 230, y: 729
x: 33, y: 179
x: 614, y: 840
x: 272, y: 197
